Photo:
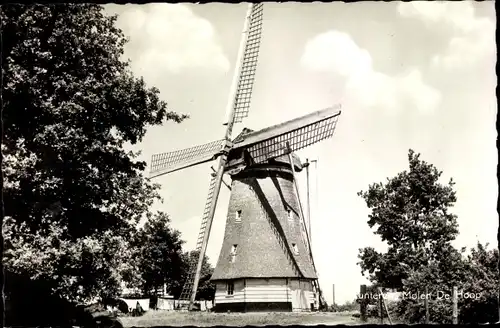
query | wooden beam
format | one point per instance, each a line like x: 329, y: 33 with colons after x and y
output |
x: 302, y: 219
x: 381, y: 309
x: 426, y: 305
x: 362, y: 302
x: 225, y: 183
x: 279, y: 129
x: 454, y: 316
x: 385, y: 305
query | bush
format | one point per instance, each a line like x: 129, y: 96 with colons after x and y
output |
x: 346, y: 307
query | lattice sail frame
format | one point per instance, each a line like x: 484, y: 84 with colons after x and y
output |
x: 193, y: 257
x: 168, y: 162
x: 172, y: 161
x: 249, y: 65
x: 298, y: 139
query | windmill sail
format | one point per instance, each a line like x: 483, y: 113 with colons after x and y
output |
x: 193, y: 259
x: 261, y: 145
x: 168, y: 162
x: 238, y: 103
x: 299, y: 133
x: 249, y: 65
x: 244, y: 78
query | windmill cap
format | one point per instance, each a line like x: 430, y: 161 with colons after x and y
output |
x: 298, y: 166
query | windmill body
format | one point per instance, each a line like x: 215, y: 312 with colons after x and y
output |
x: 265, y: 261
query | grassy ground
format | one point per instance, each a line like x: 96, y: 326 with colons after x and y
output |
x: 175, y: 318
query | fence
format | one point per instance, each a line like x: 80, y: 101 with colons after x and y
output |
x: 170, y: 304
x: 132, y: 303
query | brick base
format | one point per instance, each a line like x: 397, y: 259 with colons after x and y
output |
x: 254, y: 307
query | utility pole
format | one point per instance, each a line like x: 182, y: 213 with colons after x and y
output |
x: 315, y: 161
x: 308, y: 199
x: 306, y: 165
x: 333, y: 298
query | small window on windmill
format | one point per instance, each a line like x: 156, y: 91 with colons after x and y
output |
x: 230, y: 288
x: 295, y: 249
x: 289, y: 213
x: 233, y: 253
x: 238, y: 216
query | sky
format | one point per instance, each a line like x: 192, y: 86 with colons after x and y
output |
x: 407, y: 75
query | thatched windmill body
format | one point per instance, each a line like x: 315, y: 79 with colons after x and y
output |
x: 265, y: 261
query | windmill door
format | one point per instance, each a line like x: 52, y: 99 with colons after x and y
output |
x: 298, y: 293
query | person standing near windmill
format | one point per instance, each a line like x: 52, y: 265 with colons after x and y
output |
x: 265, y: 261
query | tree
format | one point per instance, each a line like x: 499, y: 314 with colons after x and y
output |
x: 482, y: 281
x: 411, y: 214
x: 73, y: 194
x: 476, y: 278
x: 158, y: 253
x: 439, y: 277
x: 347, y: 306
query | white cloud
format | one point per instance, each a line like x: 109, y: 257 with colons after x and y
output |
x: 336, y: 52
x: 348, y: 60
x: 422, y: 95
x: 474, y: 37
x: 169, y: 37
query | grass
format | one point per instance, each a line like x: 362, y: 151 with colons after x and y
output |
x: 175, y: 318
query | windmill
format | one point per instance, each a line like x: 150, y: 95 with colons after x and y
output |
x: 256, y: 161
